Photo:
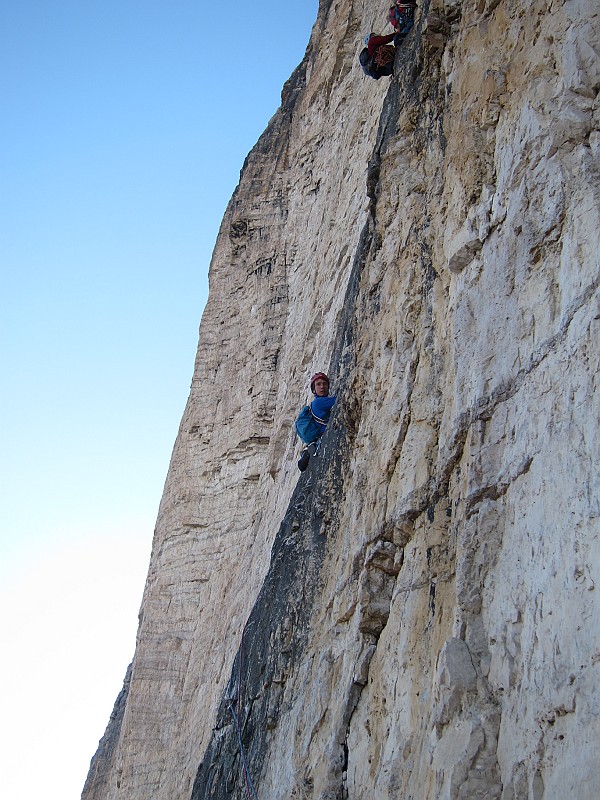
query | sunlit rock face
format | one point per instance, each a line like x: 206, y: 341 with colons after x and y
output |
x: 416, y: 615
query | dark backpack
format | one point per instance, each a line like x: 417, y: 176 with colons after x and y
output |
x: 368, y: 64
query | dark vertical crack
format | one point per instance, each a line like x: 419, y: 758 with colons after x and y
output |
x: 275, y: 637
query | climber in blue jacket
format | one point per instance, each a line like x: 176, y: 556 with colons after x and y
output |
x: 320, y: 409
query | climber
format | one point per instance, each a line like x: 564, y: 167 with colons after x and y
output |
x: 312, y: 421
x: 377, y: 57
x: 402, y: 17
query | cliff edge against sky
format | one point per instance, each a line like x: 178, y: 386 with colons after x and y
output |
x: 416, y: 615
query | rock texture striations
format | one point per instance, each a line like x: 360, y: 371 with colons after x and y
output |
x: 416, y: 615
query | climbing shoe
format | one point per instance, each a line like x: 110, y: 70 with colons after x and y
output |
x: 303, y: 460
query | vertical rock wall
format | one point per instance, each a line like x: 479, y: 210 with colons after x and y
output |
x: 427, y: 621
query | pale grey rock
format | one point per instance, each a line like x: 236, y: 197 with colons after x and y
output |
x: 417, y: 614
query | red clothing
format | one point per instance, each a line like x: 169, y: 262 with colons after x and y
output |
x: 377, y: 41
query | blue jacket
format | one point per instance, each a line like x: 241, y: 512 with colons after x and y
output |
x: 321, y: 408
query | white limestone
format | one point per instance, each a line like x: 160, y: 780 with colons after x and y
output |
x: 455, y: 648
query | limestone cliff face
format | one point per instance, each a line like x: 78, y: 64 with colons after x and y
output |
x: 415, y: 616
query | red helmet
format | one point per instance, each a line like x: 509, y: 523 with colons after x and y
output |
x: 315, y: 377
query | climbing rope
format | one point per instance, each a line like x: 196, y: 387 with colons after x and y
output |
x: 239, y: 703
x: 234, y: 695
x: 249, y: 784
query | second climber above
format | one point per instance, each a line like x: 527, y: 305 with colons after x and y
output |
x: 377, y: 58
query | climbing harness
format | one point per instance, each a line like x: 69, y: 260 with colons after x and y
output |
x: 308, y: 425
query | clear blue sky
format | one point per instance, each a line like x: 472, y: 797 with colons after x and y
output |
x: 124, y: 128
